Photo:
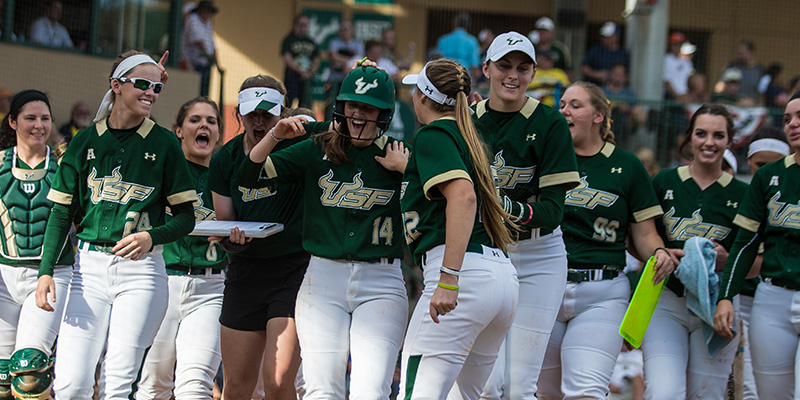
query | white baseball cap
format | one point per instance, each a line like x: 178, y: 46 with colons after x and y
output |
x: 508, y: 42
x: 260, y: 98
x: 545, y: 23
x: 608, y: 29
x: 688, y: 48
x: 731, y: 74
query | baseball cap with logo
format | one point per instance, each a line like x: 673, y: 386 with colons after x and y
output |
x: 508, y: 42
x: 545, y: 23
x: 608, y: 29
x: 731, y: 75
x: 260, y: 98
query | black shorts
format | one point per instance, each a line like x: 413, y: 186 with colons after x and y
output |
x: 258, y: 289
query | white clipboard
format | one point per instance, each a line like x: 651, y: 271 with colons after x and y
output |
x: 223, y: 228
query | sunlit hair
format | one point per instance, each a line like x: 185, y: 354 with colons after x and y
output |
x: 601, y: 104
x: 453, y: 80
x: 710, y: 109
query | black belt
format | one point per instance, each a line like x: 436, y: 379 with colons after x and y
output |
x: 182, y: 270
x: 385, y: 260
x: 784, y: 283
x: 590, y: 275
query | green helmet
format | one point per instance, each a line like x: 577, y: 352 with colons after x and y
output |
x: 368, y: 85
x: 28, y: 360
x: 31, y: 374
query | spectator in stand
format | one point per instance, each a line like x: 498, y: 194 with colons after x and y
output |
x: 47, y: 30
x: 342, y: 49
x: 549, y: 81
x: 5, y: 101
x: 677, y: 68
x: 301, y: 56
x: 547, y: 43
x: 198, y: 44
x: 485, y: 38
x: 80, y: 118
x: 626, y: 115
x: 460, y: 46
x: 389, y: 40
x: 773, y: 89
x: 750, y: 69
x: 373, y: 50
x: 698, y: 89
x: 597, y: 63
x: 731, y: 93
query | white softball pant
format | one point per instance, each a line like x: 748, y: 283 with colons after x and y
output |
x: 541, y: 264
x: 677, y: 363
x: 186, y: 348
x: 463, y: 346
x: 585, y: 342
x: 774, y: 332
x: 350, y: 308
x: 749, y: 381
x: 113, y: 302
x: 22, y: 323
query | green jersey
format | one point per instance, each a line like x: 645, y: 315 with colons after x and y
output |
x: 24, y: 209
x: 262, y: 204
x: 598, y: 212
x: 440, y: 155
x: 770, y: 212
x: 690, y: 211
x: 531, y: 148
x: 353, y: 208
x: 122, y: 180
x: 197, y: 251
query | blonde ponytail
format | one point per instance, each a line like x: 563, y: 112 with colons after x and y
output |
x: 602, y: 104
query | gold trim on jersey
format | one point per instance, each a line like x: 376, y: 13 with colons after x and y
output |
x: 182, y: 197
x: 59, y: 197
x: 647, y: 213
x: 143, y: 131
x: 684, y: 173
x: 790, y: 160
x: 529, y: 107
x: 269, y: 169
x: 8, y: 231
x: 746, y: 223
x: 570, y: 177
x: 608, y: 149
x: 28, y: 175
x: 480, y: 108
x: 381, y: 141
x: 444, y: 177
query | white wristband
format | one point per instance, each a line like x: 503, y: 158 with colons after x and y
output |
x: 450, y: 271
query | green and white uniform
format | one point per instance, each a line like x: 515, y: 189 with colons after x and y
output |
x: 24, y: 209
x: 118, y: 182
x: 768, y: 215
x: 185, y: 355
x: 464, y: 344
x: 677, y: 360
x: 535, y: 162
x: 352, y: 302
x: 597, y: 218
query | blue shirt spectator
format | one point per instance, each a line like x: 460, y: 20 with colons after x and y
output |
x: 460, y: 46
x: 598, y: 61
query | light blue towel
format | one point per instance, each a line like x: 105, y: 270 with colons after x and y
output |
x: 696, y: 272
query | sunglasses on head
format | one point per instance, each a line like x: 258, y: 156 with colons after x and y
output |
x: 143, y: 84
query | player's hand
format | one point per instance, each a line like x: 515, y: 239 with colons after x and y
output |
x: 396, y: 157
x: 134, y: 246
x: 288, y: 128
x: 665, y: 265
x: 237, y: 237
x: 161, y: 62
x: 723, y: 318
x: 365, y: 62
x: 722, y: 256
x: 43, y: 288
x: 474, y: 98
x: 444, y: 300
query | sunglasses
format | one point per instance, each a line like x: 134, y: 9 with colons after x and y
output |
x: 143, y: 84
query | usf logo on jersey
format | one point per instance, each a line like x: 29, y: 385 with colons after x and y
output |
x: 508, y: 176
x: 364, y: 87
x: 112, y: 188
x: 351, y: 194
x: 249, y: 195
x: 202, y: 213
x: 586, y: 197
x: 782, y: 214
x: 686, y: 228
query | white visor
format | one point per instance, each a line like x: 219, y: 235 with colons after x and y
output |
x: 427, y: 88
x: 773, y: 145
x: 260, y: 98
x: 731, y: 160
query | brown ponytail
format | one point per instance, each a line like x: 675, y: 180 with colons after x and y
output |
x: 453, y: 80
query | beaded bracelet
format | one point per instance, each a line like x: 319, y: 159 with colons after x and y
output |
x: 448, y: 287
x: 450, y: 271
x: 272, y: 133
